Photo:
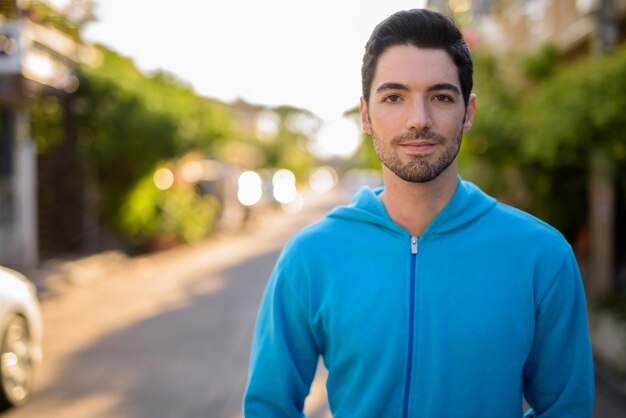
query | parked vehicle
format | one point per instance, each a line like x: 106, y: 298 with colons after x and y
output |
x: 21, y: 333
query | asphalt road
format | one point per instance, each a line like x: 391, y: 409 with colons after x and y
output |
x: 169, y: 335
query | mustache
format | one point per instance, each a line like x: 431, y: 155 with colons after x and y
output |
x: 424, y: 134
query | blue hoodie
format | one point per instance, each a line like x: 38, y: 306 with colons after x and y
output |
x: 486, y: 306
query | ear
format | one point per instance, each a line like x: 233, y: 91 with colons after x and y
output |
x: 469, y: 113
x: 365, y: 120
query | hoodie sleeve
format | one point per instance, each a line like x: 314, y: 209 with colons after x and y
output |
x: 558, y: 375
x: 284, y: 354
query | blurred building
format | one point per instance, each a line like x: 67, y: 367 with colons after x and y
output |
x: 36, y: 62
x: 575, y: 26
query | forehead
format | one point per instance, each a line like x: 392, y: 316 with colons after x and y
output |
x: 411, y: 65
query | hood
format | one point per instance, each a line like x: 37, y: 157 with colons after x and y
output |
x: 467, y: 204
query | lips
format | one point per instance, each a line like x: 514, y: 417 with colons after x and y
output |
x: 416, y: 143
x: 417, y: 146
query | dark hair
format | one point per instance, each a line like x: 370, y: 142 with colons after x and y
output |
x: 424, y: 29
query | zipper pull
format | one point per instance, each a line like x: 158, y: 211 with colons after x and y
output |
x: 413, y: 245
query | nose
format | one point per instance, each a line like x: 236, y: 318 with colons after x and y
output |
x: 418, y: 117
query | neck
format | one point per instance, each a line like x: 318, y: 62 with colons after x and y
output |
x: 414, y: 205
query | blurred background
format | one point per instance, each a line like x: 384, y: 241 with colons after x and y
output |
x: 131, y: 130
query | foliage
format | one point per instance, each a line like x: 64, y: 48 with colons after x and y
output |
x: 492, y: 145
x: 47, y: 127
x: 124, y: 124
x: 46, y: 15
x: 127, y: 124
x: 178, y: 212
x: 201, y: 121
x: 288, y: 148
x: 284, y: 144
x: 578, y: 109
x: 543, y: 64
x: 120, y: 138
x: 534, y: 131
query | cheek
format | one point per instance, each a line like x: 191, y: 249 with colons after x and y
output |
x: 453, y: 123
x: 386, y: 123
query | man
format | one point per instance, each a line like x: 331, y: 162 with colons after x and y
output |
x: 426, y: 298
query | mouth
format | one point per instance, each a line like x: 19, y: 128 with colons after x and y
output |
x: 418, y: 147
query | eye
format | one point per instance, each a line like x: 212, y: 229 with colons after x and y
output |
x: 443, y: 98
x: 392, y: 98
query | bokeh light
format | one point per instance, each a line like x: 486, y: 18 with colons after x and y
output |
x: 460, y: 6
x: 250, y: 188
x: 163, y: 178
x: 192, y: 171
x: 284, y: 186
x: 323, y: 179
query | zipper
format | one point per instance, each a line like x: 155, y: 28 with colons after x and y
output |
x: 409, y: 368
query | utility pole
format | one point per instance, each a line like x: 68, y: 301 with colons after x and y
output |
x: 607, y: 26
x: 601, y: 180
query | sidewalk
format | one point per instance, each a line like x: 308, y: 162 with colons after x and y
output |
x: 608, y: 339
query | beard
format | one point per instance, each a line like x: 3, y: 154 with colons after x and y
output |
x: 416, y: 168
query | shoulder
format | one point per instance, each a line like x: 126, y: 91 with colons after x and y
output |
x: 520, y: 222
x: 528, y: 234
x: 314, y: 238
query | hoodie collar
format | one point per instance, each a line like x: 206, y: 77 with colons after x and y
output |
x: 467, y: 203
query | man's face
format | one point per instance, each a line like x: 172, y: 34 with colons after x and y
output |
x: 416, y: 114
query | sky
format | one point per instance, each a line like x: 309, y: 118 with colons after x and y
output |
x: 270, y: 52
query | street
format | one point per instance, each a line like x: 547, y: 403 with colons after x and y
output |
x: 171, y: 339
x: 169, y: 336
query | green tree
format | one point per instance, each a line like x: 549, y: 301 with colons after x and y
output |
x: 289, y: 147
x: 535, y: 128
x: 120, y: 139
x: 128, y: 124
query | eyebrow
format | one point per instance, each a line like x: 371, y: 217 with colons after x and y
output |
x: 445, y: 86
x: 404, y: 87
x: 392, y: 86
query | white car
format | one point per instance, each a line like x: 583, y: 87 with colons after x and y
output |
x: 21, y: 334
